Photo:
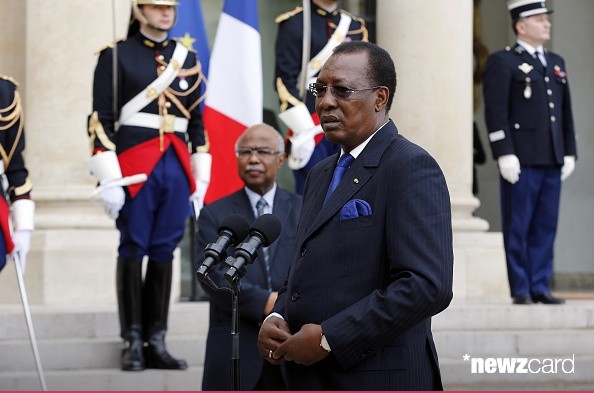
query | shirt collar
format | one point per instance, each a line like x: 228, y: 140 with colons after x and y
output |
x: 357, y: 150
x: 530, y: 49
x: 255, y: 197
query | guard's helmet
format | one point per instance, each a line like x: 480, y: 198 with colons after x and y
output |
x: 155, y: 2
x: 136, y: 11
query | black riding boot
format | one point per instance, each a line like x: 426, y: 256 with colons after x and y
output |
x: 157, y: 291
x: 129, y: 290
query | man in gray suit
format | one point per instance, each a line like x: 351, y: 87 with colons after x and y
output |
x: 374, y: 257
x: 260, y: 155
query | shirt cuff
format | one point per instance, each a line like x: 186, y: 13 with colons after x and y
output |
x: 274, y: 314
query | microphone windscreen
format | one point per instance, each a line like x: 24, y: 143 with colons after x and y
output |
x: 268, y: 226
x: 237, y: 225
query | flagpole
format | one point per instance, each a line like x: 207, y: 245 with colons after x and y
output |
x: 306, y: 48
x: 114, y: 65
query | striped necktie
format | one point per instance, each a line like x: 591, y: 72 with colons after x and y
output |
x: 260, y: 206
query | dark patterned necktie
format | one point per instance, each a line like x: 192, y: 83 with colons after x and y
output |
x: 343, y: 164
x: 260, y: 206
x: 538, y: 56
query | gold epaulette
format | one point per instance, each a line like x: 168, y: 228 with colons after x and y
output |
x: 179, y: 40
x: 110, y: 45
x: 286, y: 15
x: 10, y: 79
x: 361, y: 30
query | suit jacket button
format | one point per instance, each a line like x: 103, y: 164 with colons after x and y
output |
x: 294, y: 296
x: 546, y: 78
x: 551, y: 105
x: 517, y: 126
x: 553, y: 118
x: 550, y: 92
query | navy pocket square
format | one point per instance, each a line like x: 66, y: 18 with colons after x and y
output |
x: 355, y: 208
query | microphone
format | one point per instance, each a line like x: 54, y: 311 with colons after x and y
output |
x: 263, y: 232
x: 232, y: 230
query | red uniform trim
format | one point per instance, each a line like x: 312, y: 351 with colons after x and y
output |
x: 5, y: 227
x: 143, y: 157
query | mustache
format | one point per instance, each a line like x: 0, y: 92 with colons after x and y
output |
x: 253, y: 168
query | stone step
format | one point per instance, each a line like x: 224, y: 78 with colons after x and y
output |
x: 96, y: 353
x: 79, y: 348
x: 104, y: 379
x: 505, y: 316
x: 187, y: 318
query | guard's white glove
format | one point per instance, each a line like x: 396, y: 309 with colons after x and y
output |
x: 23, y: 222
x: 22, y: 244
x: 201, y: 165
x: 105, y: 167
x: 113, y: 199
x: 568, y: 167
x: 509, y: 167
x: 304, y: 130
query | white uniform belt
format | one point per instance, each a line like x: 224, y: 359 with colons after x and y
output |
x: 150, y: 120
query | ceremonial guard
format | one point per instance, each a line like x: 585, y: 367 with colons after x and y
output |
x: 17, y: 210
x: 146, y: 121
x: 330, y: 26
x: 532, y: 137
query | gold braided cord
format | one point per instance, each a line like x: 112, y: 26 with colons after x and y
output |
x: 14, y: 103
x: 285, y: 97
x: 23, y: 189
x: 178, y: 104
x: 96, y: 130
x: 206, y: 147
x: 17, y: 111
x: 190, y: 90
x: 8, y: 157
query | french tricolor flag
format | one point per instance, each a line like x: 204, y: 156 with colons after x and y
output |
x: 235, y: 97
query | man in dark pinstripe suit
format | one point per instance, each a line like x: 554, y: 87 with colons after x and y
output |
x: 373, y: 259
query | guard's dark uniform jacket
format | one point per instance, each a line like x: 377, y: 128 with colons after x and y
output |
x: 288, y: 50
x: 140, y: 62
x: 12, y: 144
x: 528, y: 108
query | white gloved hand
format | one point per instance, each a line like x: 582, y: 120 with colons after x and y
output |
x: 568, y: 167
x: 113, y: 198
x: 509, y: 167
x: 197, y: 198
x: 201, y: 167
x: 22, y: 244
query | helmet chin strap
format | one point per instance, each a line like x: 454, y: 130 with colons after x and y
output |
x: 145, y: 21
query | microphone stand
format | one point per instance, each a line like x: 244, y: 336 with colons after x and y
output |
x: 235, y: 290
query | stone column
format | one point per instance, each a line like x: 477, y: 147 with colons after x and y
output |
x: 431, y: 44
x: 74, y: 246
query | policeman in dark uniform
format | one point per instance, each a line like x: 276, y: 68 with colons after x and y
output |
x: 16, y: 209
x: 531, y: 133
x: 155, y: 125
x: 329, y: 27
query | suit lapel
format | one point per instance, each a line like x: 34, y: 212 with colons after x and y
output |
x: 281, y: 209
x: 355, y: 178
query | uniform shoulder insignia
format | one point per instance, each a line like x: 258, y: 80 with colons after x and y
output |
x: 188, y: 43
x: 10, y: 79
x: 109, y: 45
x: 286, y: 15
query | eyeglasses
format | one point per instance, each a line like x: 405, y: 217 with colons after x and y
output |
x: 341, y: 92
x: 262, y: 152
